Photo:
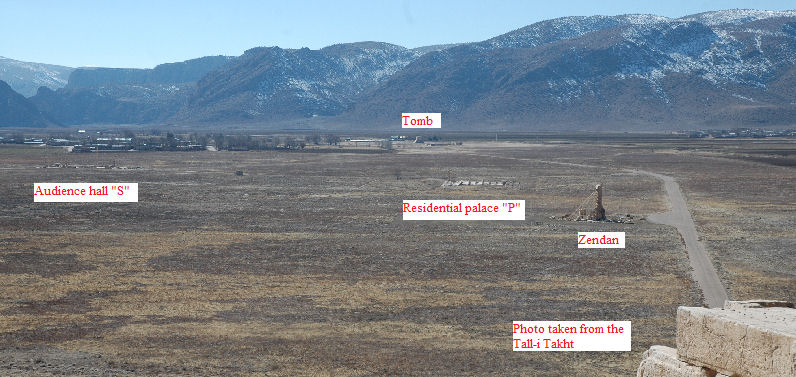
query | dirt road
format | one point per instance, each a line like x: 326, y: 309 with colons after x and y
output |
x: 679, y: 217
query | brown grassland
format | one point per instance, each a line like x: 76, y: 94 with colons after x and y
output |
x: 303, y: 266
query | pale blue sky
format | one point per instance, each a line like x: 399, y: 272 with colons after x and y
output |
x: 145, y: 33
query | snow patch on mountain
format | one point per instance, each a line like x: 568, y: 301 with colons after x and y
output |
x: 567, y: 90
x: 704, y: 47
x: 26, y: 77
x: 736, y: 16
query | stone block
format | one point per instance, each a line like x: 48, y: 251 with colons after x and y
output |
x: 661, y: 361
x: 755, y: 338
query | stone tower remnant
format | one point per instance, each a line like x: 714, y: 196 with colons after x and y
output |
x: 598, y: 213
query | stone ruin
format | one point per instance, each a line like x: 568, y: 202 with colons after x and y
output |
x: 598, y: 212
x: 745, y: 338
x: 476, y: 183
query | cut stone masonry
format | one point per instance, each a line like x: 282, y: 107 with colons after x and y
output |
x: 745, y: 338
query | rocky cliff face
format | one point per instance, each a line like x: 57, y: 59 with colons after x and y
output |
x: 120, y: 95
x: 169, y: 73
x: 113, y: 103
x: 17, y: 111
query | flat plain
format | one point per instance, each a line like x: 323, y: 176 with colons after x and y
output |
x: 303, y: 265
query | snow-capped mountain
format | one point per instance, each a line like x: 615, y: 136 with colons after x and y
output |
x: 276, y: 83
x: 25, y: 77
x: 626, y: 72
x: 736, y: 16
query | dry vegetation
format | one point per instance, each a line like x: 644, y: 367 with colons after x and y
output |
x: 303, y: 266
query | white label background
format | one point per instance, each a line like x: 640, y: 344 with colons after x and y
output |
x: 619, y: 235
x: 517, y: 213
x: 436, y: 119
x: 129, y: 196
x: 582, y: 342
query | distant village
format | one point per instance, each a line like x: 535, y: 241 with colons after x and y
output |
x: 740, y: 132
x: 83, y: 141
x: 109, y: 141
x: 99, y: 141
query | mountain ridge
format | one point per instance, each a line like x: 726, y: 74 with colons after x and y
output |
x: 26, y: 77
x: 125, y: 95
x: 628, y: 72
x: 596, y: 78
x: 167, y: 73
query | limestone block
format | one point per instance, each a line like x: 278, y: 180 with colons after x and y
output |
x: 661, y: 361
x: 748, y: 339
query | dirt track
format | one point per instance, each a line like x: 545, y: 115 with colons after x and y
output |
x: 679, y: 217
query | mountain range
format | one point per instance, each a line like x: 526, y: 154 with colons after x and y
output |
x: 270, y: 83
x: 125, y: 95
x: 628, y: 72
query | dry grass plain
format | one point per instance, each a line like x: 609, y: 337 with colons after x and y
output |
x: 303, y: 266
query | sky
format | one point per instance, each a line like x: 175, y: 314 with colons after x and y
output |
x: 144, y: 33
